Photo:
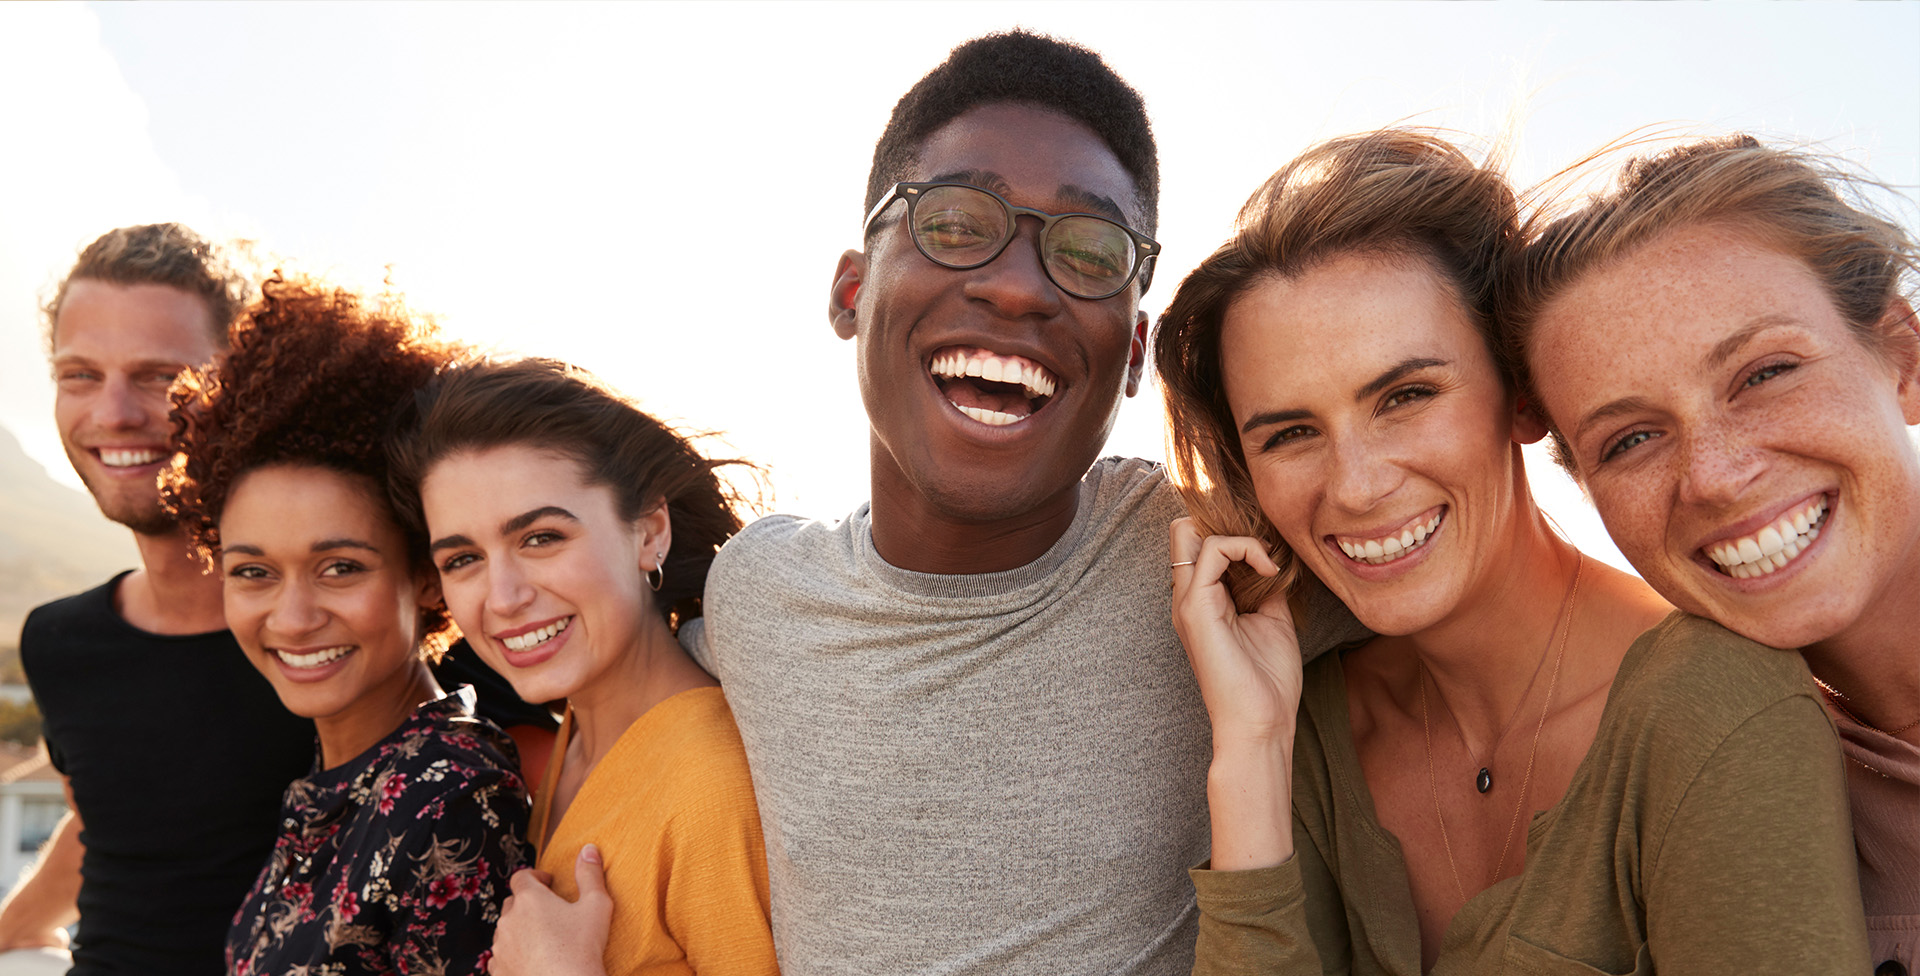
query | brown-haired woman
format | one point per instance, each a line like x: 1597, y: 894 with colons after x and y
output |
x: 395, y: 851
x: 572, y: 533
x: 1533, y: 766
x: 1725, y: 346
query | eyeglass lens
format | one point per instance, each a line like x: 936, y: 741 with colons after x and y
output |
x: 963, y: 227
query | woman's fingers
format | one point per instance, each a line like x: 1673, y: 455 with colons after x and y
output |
x: 589, y: 872
x: 1205, y: 559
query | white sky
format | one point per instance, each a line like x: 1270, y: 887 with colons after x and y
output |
x: 659, y: 192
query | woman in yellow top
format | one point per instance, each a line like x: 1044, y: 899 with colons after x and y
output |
x: 572, y: 534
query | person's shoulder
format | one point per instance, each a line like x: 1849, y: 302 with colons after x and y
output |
x: 1693, y: 667
x: 1131, y: 493
x: 82, y: 607
x: 698, y: 747
x: 1686, y: 688
x: 1138, y: 480
x: 448, y: 733
x: 785, y: 538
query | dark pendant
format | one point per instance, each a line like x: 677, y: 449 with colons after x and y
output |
x: 1484, y: 781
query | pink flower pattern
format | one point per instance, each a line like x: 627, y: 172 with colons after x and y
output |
x: 412, y: 842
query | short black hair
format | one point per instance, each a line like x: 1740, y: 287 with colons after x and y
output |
x: 1034, y: 69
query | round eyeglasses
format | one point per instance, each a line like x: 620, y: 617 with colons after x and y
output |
x: 960, y: 226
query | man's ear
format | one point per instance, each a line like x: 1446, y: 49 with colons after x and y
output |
x: 846, y: 293
x: 1137, y: 354
x: 1529, y: 423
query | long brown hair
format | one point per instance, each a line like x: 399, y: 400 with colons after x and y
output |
x: 1394, y: 191
x: 553, y: 406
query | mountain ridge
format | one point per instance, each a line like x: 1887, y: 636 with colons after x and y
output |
x: 53, y: 540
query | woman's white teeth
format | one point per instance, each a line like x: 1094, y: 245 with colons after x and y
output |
x: 114, y: 458
x: 534, y: 638
x: 1771, y: 547
x: 992, y: 418
x: 1032, y: 377
x: 314, y: 659
x: 1388, y: 548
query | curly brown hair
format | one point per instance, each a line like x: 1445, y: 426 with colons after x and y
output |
x: 312, y: 377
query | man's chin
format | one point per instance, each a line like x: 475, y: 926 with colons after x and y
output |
x: 143, y: 520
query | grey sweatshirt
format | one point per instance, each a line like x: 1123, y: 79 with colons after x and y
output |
x: 1001, y: 773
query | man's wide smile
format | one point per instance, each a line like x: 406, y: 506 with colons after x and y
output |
x: 992, y: 388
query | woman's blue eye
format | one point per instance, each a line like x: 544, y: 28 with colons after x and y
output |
x: 456, y: 561
x: 1766, y: 373
x: 1627, y: 443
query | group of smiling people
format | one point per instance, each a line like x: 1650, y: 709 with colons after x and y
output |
x: 1722, y: 348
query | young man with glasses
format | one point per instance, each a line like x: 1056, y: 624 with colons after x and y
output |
x: 975, y: 740
x: 976, y: 744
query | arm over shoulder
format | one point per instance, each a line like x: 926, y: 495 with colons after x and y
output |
x: 1754, y: 872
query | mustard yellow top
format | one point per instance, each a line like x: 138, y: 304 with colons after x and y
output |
x: 672, y: 811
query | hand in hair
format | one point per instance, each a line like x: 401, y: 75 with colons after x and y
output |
x: 543, y: 934
x: 1250, y: 674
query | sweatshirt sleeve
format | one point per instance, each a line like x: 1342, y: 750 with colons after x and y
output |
x: 1263, y: 922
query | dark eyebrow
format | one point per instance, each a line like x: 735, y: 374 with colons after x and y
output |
x: 322, y: 546
x: 508, y: 527
x: 1397, y: 373
x: 1725, y: 348
x: 1088, y: 201
x: 325, y: 544
x: 521, y: 521
x: 1273, y: 417
x: 1078, y: 199
x: 449, y: 542
x: 1393, y: 375
x: 974, y: 177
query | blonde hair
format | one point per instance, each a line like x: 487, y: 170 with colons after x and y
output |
x: 1404, y: 192
x: 1788, y: 199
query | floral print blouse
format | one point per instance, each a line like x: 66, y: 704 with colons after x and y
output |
x: 395, y: 861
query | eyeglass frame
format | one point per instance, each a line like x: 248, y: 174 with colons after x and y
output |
x: 1146, y: 248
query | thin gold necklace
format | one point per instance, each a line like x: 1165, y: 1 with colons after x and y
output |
x: 1840, y: 702
x: 1483, y: 780
x: 1433, y: 782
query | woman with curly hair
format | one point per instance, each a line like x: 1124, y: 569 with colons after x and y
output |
x: 1536, y: 766
x: 1724, y: 342
x: 573, y: 534
x: 395, y: 851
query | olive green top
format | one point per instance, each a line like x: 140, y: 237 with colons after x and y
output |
x: 1705, y: 831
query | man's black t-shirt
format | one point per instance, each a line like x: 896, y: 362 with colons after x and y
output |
x: 177, y: 751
